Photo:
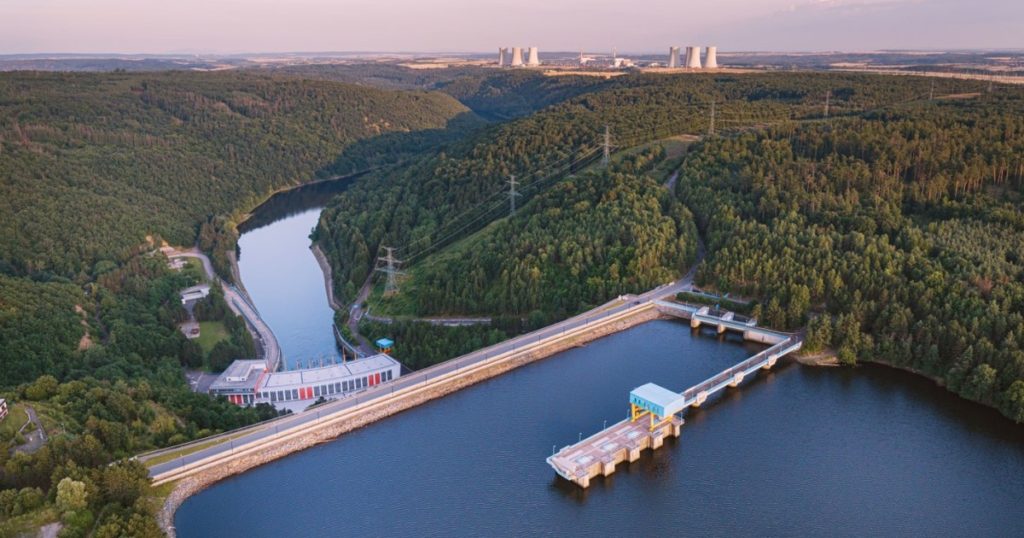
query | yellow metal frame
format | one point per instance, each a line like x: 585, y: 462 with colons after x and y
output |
x: 636, y: 412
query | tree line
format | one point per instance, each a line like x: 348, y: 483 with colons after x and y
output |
x: 896, y: 236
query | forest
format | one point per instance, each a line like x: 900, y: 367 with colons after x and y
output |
x: 456, y: 190
x: 572, y: 247
x: 94, y: 163
x: 115, y: 393
x: 896, y: 236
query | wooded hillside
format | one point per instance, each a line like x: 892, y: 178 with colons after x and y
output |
x: 900, y: 233
x: 90, y: 164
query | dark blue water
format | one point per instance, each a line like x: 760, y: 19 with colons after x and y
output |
x: 795, y: 452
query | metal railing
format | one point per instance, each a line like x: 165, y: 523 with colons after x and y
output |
x: 242, y: 436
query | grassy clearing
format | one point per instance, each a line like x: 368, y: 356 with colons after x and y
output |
x: 211, y: 332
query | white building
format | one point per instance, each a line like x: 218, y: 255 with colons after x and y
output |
x: 247, y: 382
x: 194, y: 293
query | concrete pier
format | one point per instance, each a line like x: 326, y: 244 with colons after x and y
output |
x: 599, y: 454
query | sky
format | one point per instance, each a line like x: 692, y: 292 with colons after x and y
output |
x: 237, y: 26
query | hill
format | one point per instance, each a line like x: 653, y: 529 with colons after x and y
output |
x: 453, y: 192
x: 92, y: 164
x: 897, y: 235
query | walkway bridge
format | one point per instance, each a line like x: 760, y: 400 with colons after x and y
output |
x: 598, y: 454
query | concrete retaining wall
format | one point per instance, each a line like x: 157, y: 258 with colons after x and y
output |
x: 199, y: 475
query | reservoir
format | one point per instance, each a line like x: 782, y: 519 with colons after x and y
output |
x: 795, y: 451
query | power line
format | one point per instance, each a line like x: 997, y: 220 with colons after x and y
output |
x: 711, y: 125
x: 476, y: 205
x: 512, y: 195
x: 410, y: 258
x: 391, y: 269
x: 607, y: 145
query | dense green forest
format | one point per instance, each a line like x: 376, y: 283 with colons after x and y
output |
x: 455, y: 191
x: 585, y: 240
x: 93, y: 163
x: 118, y: 393
x: 495, y: 94
x: 900, y: 232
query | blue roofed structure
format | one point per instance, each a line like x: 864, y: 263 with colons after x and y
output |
x: 657, y: 400
x: 385, y: 344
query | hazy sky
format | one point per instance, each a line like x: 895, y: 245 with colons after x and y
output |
x: 225, y: 26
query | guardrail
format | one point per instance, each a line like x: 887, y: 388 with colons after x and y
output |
x: 754, y: 361
x: 415, y: 381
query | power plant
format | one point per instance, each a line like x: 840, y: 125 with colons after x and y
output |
x: 673, y: 56
x: 517, y: 57
x: 533, y: 60
x: 529, y: 57
x: 693, y: 57
x: 711, y: 58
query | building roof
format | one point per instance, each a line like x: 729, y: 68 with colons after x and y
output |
x: 327, y: 374
x: 240, y: 374
x: 199, y: 288
x: 385, y: 342
x: 665, y: 401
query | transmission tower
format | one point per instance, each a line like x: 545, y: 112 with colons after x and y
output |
x: 606, y: 157
x: 512, y: 195
x: 711, y: 125
x: 931, y: 91
x: 828, y: 99
x: 390, y: 268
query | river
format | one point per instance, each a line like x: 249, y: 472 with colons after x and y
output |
x: 797, y: 451
x: 282, y: 276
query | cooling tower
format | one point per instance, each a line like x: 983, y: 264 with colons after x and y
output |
x: 711, y: 58
x: 693, y: 57
x: 517, y: 56
x: 502, y: 57
x: 533, y: 59
x: 673, y: 56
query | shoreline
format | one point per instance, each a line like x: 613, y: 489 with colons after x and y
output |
x: 240, y: 217
x: 325, y: 268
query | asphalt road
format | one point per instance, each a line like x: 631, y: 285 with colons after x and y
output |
x: 267, y: 429
x: 241, y: 306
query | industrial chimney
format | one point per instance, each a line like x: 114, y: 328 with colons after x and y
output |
x: 693, y: 57
x: 673, y: 56
x: 517, y: 56
x: 711, y: 58
x: 502, y: 57
x: 533, y: 59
